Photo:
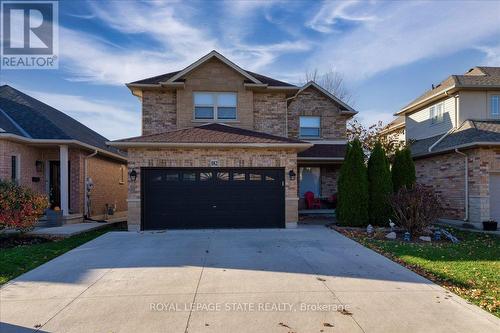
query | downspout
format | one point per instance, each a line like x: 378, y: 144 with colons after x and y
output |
x: 85, y: 199
x: 441, y: 139
x: 466, y: 184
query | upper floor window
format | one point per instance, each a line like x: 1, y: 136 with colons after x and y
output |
x: 436, y: 113
x: 310, y: 127
x: 214, y: 106
x: 495, y: 105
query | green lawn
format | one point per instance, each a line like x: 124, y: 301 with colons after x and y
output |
x: 470, y: 269
x: 20, y: 259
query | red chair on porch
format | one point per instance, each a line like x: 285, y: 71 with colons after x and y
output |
x: 311, y: 202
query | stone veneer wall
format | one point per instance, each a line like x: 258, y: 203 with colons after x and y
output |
x: 230, y: 157
x: 311, y: 102
x: 270, y: 113
x: 445, y: 173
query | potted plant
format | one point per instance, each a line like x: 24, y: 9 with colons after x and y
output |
x: 490, y: 225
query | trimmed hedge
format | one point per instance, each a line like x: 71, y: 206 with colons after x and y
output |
x: 379, y: 186
x: 403, y: 170
x: 352, y: 207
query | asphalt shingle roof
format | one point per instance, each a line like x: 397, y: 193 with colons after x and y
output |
x: 324, y: 151
x: 478, y: 76
x: 211, y: 133
x: 262, y: 78
x: 471, y: 131
x: 33, y: 119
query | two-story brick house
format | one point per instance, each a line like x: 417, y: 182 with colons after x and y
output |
x: 454, y: 132
x: 226, y: 147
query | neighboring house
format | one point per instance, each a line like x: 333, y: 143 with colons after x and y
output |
x: 456, y: 128
x: 226, y: 147
x: 50, y: 152
x: 395, y: 131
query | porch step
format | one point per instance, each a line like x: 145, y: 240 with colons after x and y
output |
x: 317, y: 212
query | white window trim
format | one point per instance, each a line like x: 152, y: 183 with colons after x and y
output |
x: 495, y: 114
x: 436, y: 120
x: 215, y: 106
x: 308, y: 136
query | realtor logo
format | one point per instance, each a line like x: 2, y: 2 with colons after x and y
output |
x: 29, y: 35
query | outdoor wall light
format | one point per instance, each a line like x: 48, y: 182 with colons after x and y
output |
x: 133, y: 175
x: 291, y: 175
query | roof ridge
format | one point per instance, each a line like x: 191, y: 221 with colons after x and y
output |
x: 16, y: 125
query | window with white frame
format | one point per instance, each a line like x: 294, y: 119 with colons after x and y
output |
x: 310, y: 127
x: 215, y: 105
x: 495, y: 105
x: 436, y: 113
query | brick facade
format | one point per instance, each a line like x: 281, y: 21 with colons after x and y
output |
x: 159, y: 111
x: 230, y: 157
x: 445, y: 174
x: 104, y: 173
x: 329, y: 177
x: 258, y: 108
x: 110, y: 185
x: 270, y: 113
x: 311, y: 102
x: 214, y: 76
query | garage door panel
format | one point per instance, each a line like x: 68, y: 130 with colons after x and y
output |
x: 212, y: 198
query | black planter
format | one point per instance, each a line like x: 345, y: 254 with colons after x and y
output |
x: 490, y: 225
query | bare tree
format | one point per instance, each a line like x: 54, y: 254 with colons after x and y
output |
x: 333, y: 82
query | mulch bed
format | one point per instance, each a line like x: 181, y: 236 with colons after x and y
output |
x: 379, y: 234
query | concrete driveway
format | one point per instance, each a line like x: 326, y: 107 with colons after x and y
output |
x: 296, y: 280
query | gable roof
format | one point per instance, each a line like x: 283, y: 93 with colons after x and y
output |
x: 213, y: 134
x: 476, y: 77
x: 176, y: 76
x: 29, y: 118
x: 346, y: 108
x: 470, y: 133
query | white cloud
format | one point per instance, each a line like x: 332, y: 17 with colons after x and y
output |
x: 406, y: 32
x: 103, y: 116
x: 176, y: 43
x: 492, y: 55
x: 333, y: 11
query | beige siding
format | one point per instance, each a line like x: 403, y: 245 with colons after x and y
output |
x: 419, y: 126
x: 475, y: 105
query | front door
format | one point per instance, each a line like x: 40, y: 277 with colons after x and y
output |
x: 55, y: 184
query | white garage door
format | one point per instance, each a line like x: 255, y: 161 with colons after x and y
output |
x: 495, y: 196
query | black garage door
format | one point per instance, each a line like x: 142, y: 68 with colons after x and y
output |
x: 212, y: 198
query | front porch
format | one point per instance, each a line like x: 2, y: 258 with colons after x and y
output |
x: 318, y: 172
x: 56, y: 170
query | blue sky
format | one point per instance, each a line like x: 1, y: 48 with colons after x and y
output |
x: 388, y: 51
